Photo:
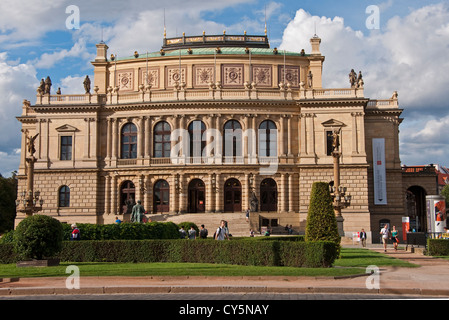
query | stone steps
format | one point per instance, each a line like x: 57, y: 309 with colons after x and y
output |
x: 237, y: 224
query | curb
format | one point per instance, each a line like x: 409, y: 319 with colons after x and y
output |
x: 216, y: 289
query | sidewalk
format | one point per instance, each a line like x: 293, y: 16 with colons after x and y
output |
x: 431, y: 279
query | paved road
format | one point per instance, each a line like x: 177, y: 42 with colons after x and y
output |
x: 219, y: 297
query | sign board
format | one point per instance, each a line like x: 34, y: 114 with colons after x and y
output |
x: 436, y: 213
x: 379, y: 172
x: 405, y: 227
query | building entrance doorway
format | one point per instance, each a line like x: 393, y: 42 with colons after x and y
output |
x: 232, y: 196
x: 161, y: 196
x: 196, y: 196
x: 416, y: 208
x: 127, y: 196
x: 268, y: 195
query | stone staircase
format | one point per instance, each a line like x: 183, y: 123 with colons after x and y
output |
x: 237, y: 224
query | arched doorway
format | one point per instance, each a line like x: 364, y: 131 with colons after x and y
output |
x: 232, y: 196
x: 416, y: 208
x: 268, y: 195
x: 197, y: 196
x: 161, y: 196
x: 127, y: 196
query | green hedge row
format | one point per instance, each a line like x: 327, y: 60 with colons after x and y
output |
x: 259, y: 253
x: 438, y: 247
x: 125, y: 231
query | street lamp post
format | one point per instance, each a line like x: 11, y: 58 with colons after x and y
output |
x: 340, y: 199
x: 30, y: 201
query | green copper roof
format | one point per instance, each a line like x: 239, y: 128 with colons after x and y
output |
x: 211, y: 51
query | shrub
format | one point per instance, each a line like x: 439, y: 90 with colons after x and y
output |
x: 38, y: 236
x: 125, y: 231
x: 438, y: 247
x: 259, y: 253
x: 321, y: 221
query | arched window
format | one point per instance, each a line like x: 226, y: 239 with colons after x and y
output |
x: 64, y: 196
x: 197, y: 140
x: 267, y: 139
x: 232, y: 139
x: 161, y: 141
x: 129, y: 141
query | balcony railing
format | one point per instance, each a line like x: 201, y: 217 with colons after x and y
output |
x: 214, y: 92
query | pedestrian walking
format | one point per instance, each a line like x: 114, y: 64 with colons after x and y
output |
x: 247, y: 214
x: 192, y: 233
x: 394, y: 238
x: 385, y: 234
x: 203, y: 232
x: 220, y: 233
x: 363, y: 238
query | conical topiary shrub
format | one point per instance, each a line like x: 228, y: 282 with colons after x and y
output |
x: 321, y: 221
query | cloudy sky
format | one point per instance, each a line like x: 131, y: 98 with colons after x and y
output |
x: 405, y: 47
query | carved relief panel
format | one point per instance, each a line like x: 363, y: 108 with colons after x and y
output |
x: 262, y: 75
x: 152, y: 78
x: 232, y: 75
x: 291, y: 75
x: 173, y: 76
x: 203, y: 75
x: 125, y: 80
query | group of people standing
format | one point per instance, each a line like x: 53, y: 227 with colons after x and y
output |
x: 221, y: 233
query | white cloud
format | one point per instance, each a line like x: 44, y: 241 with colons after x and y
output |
x: 409, y: 55
x: 48, y: 60
x: 17, y: 82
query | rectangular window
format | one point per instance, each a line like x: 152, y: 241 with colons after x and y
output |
x: 66, y: 148
x: 329, y: 141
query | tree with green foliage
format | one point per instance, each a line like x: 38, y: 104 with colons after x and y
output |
x: 445, y: 194
x: 8, y: 196
x: 38, y: 237
x: 321, y: 221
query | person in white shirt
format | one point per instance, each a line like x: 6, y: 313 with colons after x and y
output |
x: 221, y: 233
x: 385, y: 233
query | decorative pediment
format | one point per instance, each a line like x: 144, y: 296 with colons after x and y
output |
x: 333, y: 123
x: 66, y: 128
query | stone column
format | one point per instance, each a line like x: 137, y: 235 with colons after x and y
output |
x: 107, y: 192
x: 114, y: 139
x: 289, y: 136
x: 291, y: 207
x: 281, y: 136
x: 283, y: 198
x: 218, y: 198
x: 114, y: 196
x: 354, y: 133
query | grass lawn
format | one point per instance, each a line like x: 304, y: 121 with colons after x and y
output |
x: 352, y: 261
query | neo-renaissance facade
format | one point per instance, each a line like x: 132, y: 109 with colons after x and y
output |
x: 205, y: 123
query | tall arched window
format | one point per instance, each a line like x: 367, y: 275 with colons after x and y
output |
x: 232, y: 139
x: 267, y: 139
x: 129, y: 141
x: 64, y: 196
x: 161, y: 138
x: 197, y: 140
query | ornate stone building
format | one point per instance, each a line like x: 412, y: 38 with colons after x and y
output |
x: 203, y: 124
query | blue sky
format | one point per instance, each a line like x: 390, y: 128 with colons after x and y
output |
x: 408, y: 52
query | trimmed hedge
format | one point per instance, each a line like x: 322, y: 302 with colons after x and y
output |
x: 257, y: 253
x: 125, y: 231
x: 438, y: 247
